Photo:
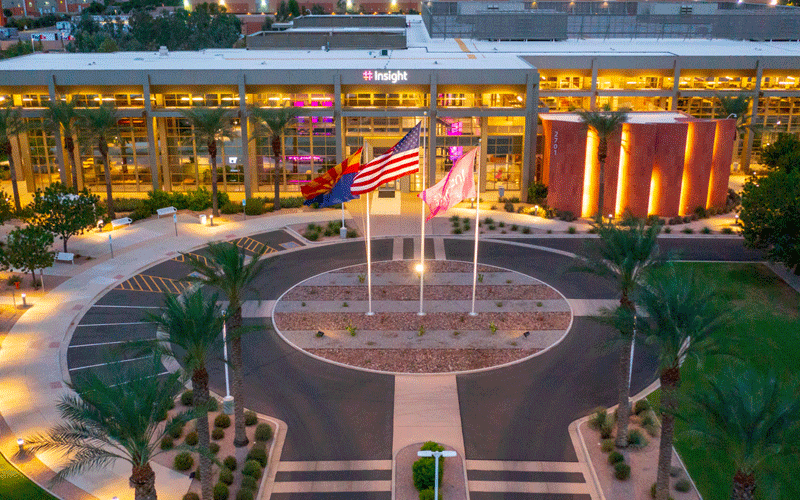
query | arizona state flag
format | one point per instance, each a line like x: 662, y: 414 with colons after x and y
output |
x: 325, y: 183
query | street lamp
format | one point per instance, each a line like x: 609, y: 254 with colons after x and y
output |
x: 436, y: 455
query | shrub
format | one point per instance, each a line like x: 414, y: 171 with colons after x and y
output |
x: 140, y: 212
x: 622, y: 471
x: 221, y: 491
x: 254, y: 206
x: 607, y: 445
x: 457, y: 230
x: 647, y: 419
x: 245, y: 494
x: 226, y: 476
x: 652, y: 429
x: 537, y: 193
x: 263, y: 432
x: 508, y: 207
x: 191, y: 496
x: 222, y: 421
x: 187, y: 398
x: 571, y: 230
x: 250, y: 483
x: 213, y: 448
x: 526, y: 230
x: 636, y: 439
x: 687, y: 230
x: 167, y: 443
x: 252, y: 468
x: 311, y: 235
x: 259, y: 455
x: 727, y: 230
x: 230, y: 208
x: 176, y: 431
x: 667, y: 230
x: 641, y: 406
x: 675, y: 471
x: 706, y: 230
x: 683, y: 485
x: 250, y: 418
x: 701, y: 212
x: 163, y: 415
x: 191, y: 438
x: 217, y: 434
x: 183, y: 461
x: 352, y: 233
x: 213, y: 404
x: 606, y: 430
x: 428, y: 494
x: 566, y: 215
x: 652, y: 220
x: 423, y: 469
x: 615, y: 457
x: 599, y: 417
x: 514, y: 227
x: 230, y: 462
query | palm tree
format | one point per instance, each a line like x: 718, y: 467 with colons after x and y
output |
x: 605, y: 123
x: 193, y: 325
x: 99, y: 126
x: 626, y: 255
x: 748, y: 417
x: 681, y: 320
x: 736, y: 106
x: 115, y: 417
x: 225, y: 269
x: 11, y: 125
x: 274, y: 121
x: 211, y: 125
x: 62, y: 116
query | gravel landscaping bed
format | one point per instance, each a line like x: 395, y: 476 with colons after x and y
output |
x: 433, y: 266
x: 423, y: 360
x: 432, y: 292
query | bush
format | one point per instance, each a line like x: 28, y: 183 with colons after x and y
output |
x: 213, y: 448
x: 706, y: 230
x: 599, y: 418
x: 607, y: 445
x: 187, y: 398
x: 222, y: 421
x: 508, y: 207
x: 423, y: 469
x: 727, y: 230
x: 701, y: 212
x: 352, y: 233
x: 226, y: 476
x: 428, y: 494
x: 606, y: 430
x: 566, y: 215
x: 140, y: 212
x: 217, y: 434
x: 259, y: 455
x: 263, y: 432
x: 191, y: 438
x: 571, y: 230
x: 652, y: 220
x: 683, y: 485
x: 687, y: 230
x: 183, y: 461
x: 230, y: 462
x: 167, y: 443
x: 675, y: 471
x: 191, y: 496
x: 537, y: 193
x: 636, y: 439
x: 250, y: 418
x: 221, y: 491
x: 641, y: 406
x: 526, y: 230
x: 254, y: 206
x: 667, y: 230
x: 615, y: 457
x: 245, y: 494
x: 622, y: 471
x: 252, y: 468
x: 213, y: 404
x: 250, y: 483
x: 311, y: 235
x: 176, y: 431
x: 230, y: 208
x: 647, y: 419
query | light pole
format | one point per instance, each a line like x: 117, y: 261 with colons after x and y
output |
x: 227, y: 402
x: 436, y: 455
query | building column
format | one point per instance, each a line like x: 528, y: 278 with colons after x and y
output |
x: 529, y: 140
x: 747, y: 151
x: 62, y: 171
x: 161, y: 130
x: 432, y: 112
x: 151, y: 136
x: 593, y: 98
x: 676, y: 77
x: 338, y: 122
x: 245, y: 138
x: 484, y: 120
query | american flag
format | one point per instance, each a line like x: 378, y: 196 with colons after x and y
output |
x: 402, y: 159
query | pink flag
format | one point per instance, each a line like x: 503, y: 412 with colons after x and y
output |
x: 458, y: 184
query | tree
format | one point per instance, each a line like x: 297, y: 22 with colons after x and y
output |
x: 193, y: 332
x: 11, y: 125
x: 294, y: 8
x: 108, y: 45
x: 225, y: 270
x: 605, y: 123
x: 783, y: 154
x: 27, y: 249
x: 61, y: 211
x: 99, y: 126
x: 681, y: 321
x: 625, y: 255
x: 273, y: 121
x: 62, y: 116
x: 116, y: 417
x: 749, y: 418
x: 6, y: 209
x: 770, y: 216
x: 736, y: 106
x: 211, y: 125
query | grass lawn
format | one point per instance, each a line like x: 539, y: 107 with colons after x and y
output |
x: 15, y: 486
x: 765, y: 332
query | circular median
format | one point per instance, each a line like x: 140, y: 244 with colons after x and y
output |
x: 517, y: 316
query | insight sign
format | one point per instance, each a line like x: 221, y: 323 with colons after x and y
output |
x: 385, y: 76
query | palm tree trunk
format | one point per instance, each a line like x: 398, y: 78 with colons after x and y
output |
x: 624, y: 408
x: 240, y: 437
x: 602, y: 153
x: 143, y: 481
x: 276, y: 152
x: 69, y: 145
x: 670, y: 378
x: 200, y: 400
x: 107, y: 171
x: 13, y: 172
x: 744, y: 486
x: 212, y: 154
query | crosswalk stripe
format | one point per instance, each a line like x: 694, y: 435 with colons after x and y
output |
x: 510, y: 465
x: 529, y: 487
x: 330, y: 486
x: 335, y: 465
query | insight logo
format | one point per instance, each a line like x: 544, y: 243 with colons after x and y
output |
x: 385, y: 76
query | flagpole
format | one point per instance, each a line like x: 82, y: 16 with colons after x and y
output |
x: 477, y: 232
x: 369, y: 262
x: 422, y: 225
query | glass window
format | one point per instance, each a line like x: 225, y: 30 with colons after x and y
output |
x: 392, y: 100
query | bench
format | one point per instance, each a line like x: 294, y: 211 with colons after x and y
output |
x: 121, y: 222
x: 166, y: 211
x: 66, y: 257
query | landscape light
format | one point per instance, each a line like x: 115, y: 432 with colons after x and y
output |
x: 21, y: 444
x: 419, y: 268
